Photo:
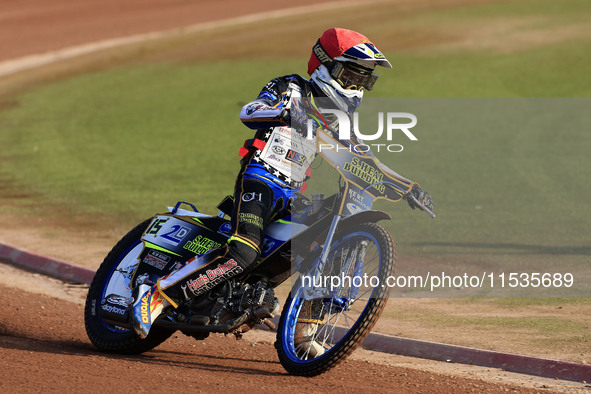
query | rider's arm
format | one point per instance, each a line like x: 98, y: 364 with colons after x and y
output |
x: 267, y: 110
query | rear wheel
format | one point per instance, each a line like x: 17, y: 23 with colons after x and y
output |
x: 315, y: 335
x: 114, y: 277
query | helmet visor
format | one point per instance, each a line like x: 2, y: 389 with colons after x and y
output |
x: 353, y: 76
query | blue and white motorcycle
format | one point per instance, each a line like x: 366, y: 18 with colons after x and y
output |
x: 333, y: 248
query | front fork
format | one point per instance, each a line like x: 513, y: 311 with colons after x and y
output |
x: 322, y: 292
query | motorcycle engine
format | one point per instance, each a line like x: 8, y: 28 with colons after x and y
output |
x: 258, y: 299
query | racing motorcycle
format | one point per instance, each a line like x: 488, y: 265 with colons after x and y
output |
x: 328, y: 246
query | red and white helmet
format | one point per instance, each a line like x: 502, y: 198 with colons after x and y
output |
x: 342, y: 64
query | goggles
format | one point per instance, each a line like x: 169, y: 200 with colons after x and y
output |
x: 352, y: 76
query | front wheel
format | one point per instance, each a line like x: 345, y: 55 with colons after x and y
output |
x: 114, y: 277
x: 315, y: 335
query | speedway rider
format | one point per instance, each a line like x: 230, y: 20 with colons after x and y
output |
x: 341, y: 68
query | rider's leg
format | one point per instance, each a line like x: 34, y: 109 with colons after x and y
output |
x: 254, y: 204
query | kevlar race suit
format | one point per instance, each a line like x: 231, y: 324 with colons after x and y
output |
x: 274, y: 166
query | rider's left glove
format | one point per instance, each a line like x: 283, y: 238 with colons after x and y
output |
x: 423, y: 197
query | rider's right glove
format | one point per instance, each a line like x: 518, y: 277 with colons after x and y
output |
x: 423, y: 198
x: 296, y: 116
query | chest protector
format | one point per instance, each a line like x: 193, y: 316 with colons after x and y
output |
x: 287, y: 153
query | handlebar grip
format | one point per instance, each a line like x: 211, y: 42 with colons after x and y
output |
x: 421, y: 206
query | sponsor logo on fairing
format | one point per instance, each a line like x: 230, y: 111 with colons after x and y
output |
x: 358, y: 199
x: 213, y: 277
x: 201, y: 244
x: 117, y: 300
x: 157, y: 299
x: 366, y: 172
x: 149, y: 302
x: 157, y: 259
x: 286, y: 131
x: 156, y: 226
x: 184, y: 289
x: 174, y: 234
x: 144, y: 309
x: 113, y: 309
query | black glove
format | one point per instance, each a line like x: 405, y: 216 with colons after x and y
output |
x: 297, y: 116
x: 297, y: 122
x: 284, y: 117
x: 423, y: 198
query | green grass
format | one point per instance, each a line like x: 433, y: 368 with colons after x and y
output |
x: 543, y: 325
x: 555, y: 70
x: 132, y: 139
x: 110, y: 142
x: 548, y: 327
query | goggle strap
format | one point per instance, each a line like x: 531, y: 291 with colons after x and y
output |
x: 322, y: 55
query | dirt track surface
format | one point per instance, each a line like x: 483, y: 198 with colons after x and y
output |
x: 36, y: 26
x: 43, y: 346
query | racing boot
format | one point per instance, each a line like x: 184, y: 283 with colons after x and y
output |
x: 147, y: 306
x: 309, y: 320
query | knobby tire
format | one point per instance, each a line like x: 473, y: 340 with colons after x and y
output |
x: 110, y: 340
x: 361, y: 328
